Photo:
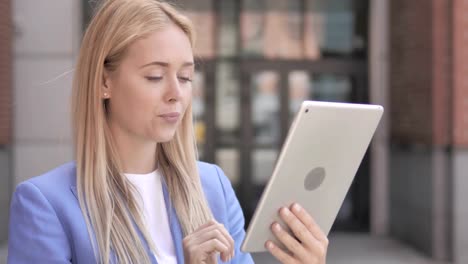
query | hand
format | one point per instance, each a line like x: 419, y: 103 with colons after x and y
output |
x: 310, y: 244
x: 203, y: 244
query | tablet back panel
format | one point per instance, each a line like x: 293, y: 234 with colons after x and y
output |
x: 319, y: 159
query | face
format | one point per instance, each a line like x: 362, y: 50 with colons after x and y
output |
x: 150, y: 90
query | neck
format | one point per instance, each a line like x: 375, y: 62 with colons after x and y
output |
x: 137, y: 155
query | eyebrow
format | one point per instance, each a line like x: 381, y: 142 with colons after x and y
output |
x: 165, y: 64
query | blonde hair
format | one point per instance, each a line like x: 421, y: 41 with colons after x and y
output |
x: 106, y: 197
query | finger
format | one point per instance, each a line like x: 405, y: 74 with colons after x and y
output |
x: 309, y: 223
x: 211, y: 232
x: 278, y: 253
x: 207, y: 234
x: 298, y: 228
x: 210, y: 222
x: 194, y: 237
x: 228, y: 238
x: 217, y: 232
x: 212, y: 246
x: 288, y: 241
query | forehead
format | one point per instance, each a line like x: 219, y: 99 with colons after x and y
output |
x: 169, y: 44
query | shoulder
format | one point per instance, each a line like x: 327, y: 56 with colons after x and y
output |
x: 56, y: 179
x: 43, y: 215
x: 213, y: 178
x: 55, y: 185
x: 216, y: 186
x: 62, y: 175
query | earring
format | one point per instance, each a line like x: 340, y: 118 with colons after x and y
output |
x: 106, y: 95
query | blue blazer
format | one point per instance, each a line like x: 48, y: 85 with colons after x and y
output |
x: 47, y: 225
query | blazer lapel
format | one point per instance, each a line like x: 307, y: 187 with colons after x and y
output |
x: 174, y: 223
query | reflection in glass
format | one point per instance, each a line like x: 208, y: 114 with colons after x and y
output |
x: 228, y: 31
x: 228, y: 159
x: 203, y: 16
x: 265, y: 108
x: 332, y: 88
x: 283, y: 30
x: 227, y: 103
x: 263, y: 164
x: 266, y: 124
x: 263, y: 23
x: 300, y: 89
x: 330, y: 25
x: 252, y: 25
x: 198, y: 109
x: 318, y: 87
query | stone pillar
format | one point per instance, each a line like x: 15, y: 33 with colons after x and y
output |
x: 429, y: 96
x: 421, y: 139
x: 6, y: 34
x: 460, y: 130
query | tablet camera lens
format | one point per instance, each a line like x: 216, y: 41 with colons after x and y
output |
x: 307, y: 110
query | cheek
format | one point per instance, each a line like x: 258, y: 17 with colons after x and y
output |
x: 132, y: 102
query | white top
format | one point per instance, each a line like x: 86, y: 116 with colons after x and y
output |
x: 155, y: 215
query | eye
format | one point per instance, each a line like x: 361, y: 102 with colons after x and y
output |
x: 185, y: 79
x: 153, y: 78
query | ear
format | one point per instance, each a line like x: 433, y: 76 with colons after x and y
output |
x: 106, y: 85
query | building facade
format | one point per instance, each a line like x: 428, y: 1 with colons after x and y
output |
x: 409, y: 56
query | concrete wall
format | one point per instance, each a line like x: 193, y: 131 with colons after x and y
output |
x: 46, y: 41
x: 46, y: 44
x: 422, y: 199
x: 460, y: 196
x: 411, y: 197
x: 5, y: 186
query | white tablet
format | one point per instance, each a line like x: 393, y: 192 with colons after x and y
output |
x: 319, y: 159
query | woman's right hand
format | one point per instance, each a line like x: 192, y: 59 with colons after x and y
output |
x: 203, y: 244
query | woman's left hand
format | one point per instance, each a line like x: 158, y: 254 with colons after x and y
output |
x: 309, y: 244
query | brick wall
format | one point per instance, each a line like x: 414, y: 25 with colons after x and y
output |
x: 429, y: 69
x: 5, y: 72
x: 441, y: 72
x: 460, y: 73
x: 410, y: 71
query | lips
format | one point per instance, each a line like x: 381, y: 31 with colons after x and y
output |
x: 170, y: 117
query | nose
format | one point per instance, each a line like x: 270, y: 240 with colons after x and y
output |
x: 173, y: 90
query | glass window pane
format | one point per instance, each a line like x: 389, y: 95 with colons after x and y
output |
x: 283, y: 30
x: 228, y: 160
x: 266, y: 124
x: 198, y: 109
x: 332, y: 88
x: 227, y: 103
x: 264, y: 22
x: 228, y: 32
x: 203, y: 17
x: 266, y: 108
x: 263, y: 164
x: 318, y: 87
x: 300, y: 89
x: 251, y: 23
x: 328, y: 26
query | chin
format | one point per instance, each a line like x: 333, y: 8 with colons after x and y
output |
x: 164, y: 138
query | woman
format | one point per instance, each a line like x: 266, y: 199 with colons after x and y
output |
x: 136, y: 193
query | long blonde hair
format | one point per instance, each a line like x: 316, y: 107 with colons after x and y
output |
x: 105, y: 195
